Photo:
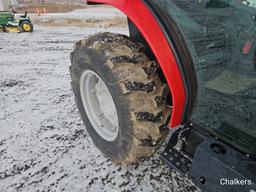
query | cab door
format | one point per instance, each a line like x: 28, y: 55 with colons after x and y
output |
x: 221, y: 38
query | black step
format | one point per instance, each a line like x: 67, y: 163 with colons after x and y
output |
x: 177, y: 160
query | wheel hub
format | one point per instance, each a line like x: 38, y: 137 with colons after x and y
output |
x: 99, y: 105
x: 26, y: 27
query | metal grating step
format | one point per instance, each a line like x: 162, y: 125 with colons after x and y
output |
x: 176, y: 160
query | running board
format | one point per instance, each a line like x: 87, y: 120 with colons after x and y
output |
x: 214, y: 167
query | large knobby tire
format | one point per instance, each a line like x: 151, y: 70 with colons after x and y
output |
x: 136, y: 89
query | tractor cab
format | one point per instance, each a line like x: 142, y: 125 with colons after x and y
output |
x: 216, y: 48
x: 220, y: 39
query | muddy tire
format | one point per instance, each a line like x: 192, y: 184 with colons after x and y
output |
x: 136, y: 89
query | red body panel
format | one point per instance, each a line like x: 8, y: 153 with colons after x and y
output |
x: 144, y: 20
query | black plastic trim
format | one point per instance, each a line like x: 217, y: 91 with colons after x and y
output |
x: 215, y: 163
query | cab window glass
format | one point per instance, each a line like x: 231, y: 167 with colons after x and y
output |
x: 221, y: 36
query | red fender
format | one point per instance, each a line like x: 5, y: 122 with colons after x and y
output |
x: 144, y: 20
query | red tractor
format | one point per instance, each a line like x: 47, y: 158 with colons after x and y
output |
x: 188, y: 66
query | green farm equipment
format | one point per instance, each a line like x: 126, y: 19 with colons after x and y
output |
x: 8, y: 22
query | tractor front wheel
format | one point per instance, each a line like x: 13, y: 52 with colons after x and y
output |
x: 26, y: 26
x: 120, y: 96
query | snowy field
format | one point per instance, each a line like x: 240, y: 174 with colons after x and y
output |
x: 43, y: 143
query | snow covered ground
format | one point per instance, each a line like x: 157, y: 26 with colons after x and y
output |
x: 43, y: 143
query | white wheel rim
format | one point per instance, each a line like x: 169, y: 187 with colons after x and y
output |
x: 99, y: 105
